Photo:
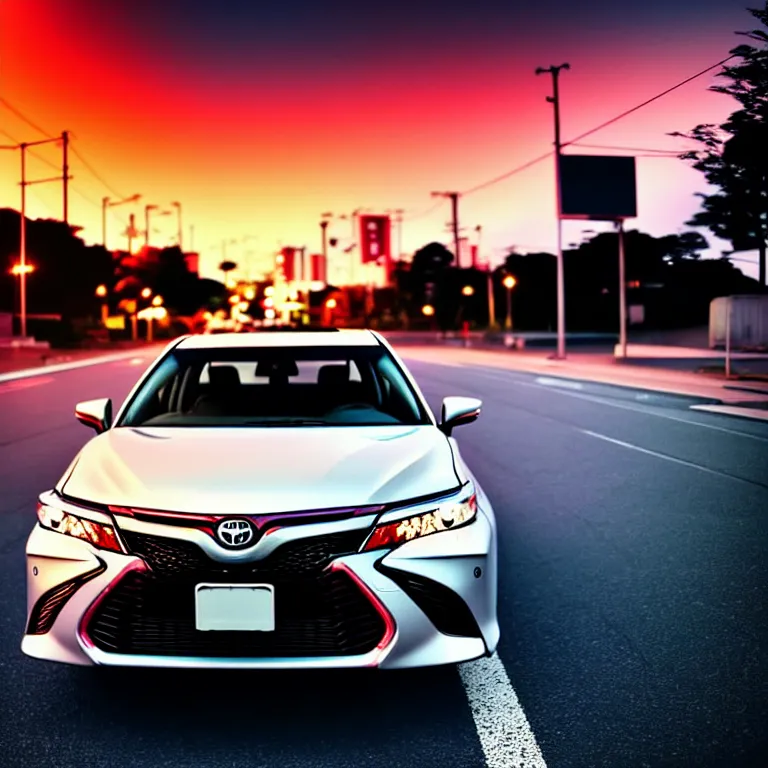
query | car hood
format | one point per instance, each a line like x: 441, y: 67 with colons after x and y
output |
x: 222, y: 470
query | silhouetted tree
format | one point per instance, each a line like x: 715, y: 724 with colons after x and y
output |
x: 733, y: 156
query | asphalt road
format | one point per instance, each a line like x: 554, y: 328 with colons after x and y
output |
x: 633, y: 586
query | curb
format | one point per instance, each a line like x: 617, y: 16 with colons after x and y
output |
x: 25, y: 373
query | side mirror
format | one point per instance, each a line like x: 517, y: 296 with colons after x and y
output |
x: 457, y: 411
x: 96, y: 414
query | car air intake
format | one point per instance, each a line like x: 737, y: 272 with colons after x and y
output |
x: 48, y: 607
x: 442, y: 606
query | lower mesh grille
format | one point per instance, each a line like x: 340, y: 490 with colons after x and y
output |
x: 48, y: 607
x: 318, y: 611
x: 441, y: 605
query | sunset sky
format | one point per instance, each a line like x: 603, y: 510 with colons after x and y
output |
x: 260, y: 116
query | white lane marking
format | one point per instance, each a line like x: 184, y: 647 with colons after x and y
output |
x: 563, y: 383
x: 662, y: 456
x: 730, y: 410
x: 504, y: 731
x: 626, y: 407
x: 59, y: 367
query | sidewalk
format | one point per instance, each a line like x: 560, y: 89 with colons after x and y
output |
x: 604, y: 369
x: 22, y: 358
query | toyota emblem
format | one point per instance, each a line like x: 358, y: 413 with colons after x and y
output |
x: 235, y: 533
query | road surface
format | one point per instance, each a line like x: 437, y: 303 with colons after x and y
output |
x: 633, y: 586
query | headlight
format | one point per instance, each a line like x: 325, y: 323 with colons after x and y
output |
x: 98, y: 534
x: 444, y: 518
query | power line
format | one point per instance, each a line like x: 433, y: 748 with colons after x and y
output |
x: 649, y: 101
x: 600, y: 127
x: 627, y: 149
x: 34, y: 154
x: 423, y: 213
x: 506, y: 175
x: 23, y: 117
x: 96, y: 174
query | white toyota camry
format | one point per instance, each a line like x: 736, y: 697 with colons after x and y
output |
x: 267, y: 500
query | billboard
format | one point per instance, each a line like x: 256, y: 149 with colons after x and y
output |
x: 375, y: 239
x: 598, y: 188
x: 288, y: 256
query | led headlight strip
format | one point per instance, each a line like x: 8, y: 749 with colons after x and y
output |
x: 100, y: 535
x: 446, y: 517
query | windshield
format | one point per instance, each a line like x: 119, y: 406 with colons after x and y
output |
x: 313, y: 386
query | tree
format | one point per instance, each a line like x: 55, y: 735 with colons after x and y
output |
x: 226, y: 267
x: 733, y: 156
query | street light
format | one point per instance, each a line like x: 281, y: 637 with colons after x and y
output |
x: 331, y: 303
x: 177, y: 206
x: 509, y: 282
x: 106, y: 202
x: 428, y: 310
x: 22, y: 269
x: 467, y: 290
x: 157, y: 301
x: 101, y: 292
x: 146, y: 293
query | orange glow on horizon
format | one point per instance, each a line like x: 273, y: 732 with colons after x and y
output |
x: 267, y: 152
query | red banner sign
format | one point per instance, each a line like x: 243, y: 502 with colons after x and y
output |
x: 374, y: 239
x: 288, y: 256
x: 318, y: 267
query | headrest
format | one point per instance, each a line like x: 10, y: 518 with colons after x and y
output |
x: 223, y: 376
x: 333, y: 375
x: 272, y: 368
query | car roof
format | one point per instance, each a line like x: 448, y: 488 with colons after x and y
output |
x: 336, y: 338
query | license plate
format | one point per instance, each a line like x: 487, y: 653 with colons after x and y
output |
x: 235, y: 607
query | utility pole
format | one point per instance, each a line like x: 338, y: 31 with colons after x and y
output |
x: 147, y: 209
x: 622, y: 292
x: 454, y: 198
x: 23, y: 245
x: 107, y: 203
x: 489, y: 272
x: 324, y: 235
x: 104, y: 206
x: 23, y: 229
x: 177, y: 206
x: 131, y: 232
x: 555, y: 101
x: 65, y: 172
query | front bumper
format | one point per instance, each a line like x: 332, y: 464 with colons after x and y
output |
x: 461, y: 561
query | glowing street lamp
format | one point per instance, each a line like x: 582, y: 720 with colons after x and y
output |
x: 509, y: 282
x: 157, y: 301
x: 101, y: 292
x: 249, y: 293
x: 467, y: 290
x: 21, y: 269
x: 428, y: 310
x: 146, y: 293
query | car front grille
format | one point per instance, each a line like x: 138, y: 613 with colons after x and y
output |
x: 318, y: 611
